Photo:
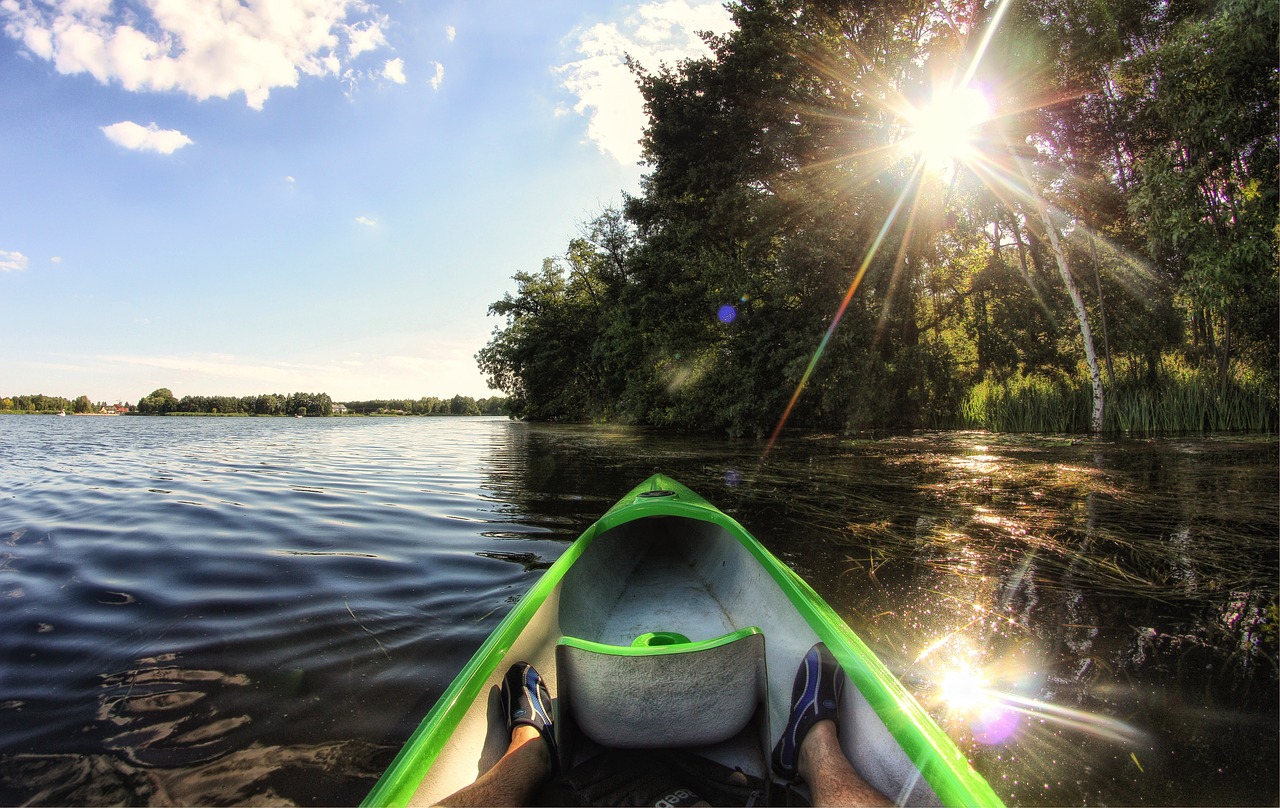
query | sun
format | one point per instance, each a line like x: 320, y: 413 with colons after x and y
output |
x: 963, y: 690
x: 945, y: 129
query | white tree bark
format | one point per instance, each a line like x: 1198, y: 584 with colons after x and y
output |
x: 1077, y: 302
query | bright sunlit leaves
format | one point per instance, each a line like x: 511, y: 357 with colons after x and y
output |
x: 945, y: 129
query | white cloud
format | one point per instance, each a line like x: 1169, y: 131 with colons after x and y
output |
x: 57, y: 259
x: 450, y: 32
x: 366, y: 221
x: 12, y: 261
x: 365, y: 36
x: 145, y: 138
x: 205, y: 49
x: 394, y: 70
x: 437, y: 78
x: 289, y: 179
x: 660, y: 32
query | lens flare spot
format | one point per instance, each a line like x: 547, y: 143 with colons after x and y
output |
x: 995, y: 726
x: 963, y: 690
x: 728, y: 313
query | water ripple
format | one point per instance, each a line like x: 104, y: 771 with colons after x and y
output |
x: 239, y: 611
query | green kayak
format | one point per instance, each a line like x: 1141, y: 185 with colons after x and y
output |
x: 666, y: 582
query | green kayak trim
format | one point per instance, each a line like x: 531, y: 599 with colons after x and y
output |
x: 934, y: 754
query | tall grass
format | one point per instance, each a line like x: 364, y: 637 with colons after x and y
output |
x: 1180, y: 400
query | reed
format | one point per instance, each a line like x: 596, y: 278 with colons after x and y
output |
x: 1181, y: 399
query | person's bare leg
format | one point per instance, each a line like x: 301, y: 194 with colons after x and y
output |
x: 831, y: 777
x: 514, y: 779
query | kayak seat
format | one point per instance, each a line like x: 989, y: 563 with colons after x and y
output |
x: 662, y: 691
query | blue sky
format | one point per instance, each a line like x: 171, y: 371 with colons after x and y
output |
x: 300, y: 195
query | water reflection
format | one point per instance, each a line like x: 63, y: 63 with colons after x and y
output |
x: 160, y: 714
x: 255, y: 775
x: 172, y: 735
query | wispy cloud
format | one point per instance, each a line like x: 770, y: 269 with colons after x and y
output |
x: 219, y: 367
x: 437, y: 77
x: 12, y: 261
x: 146, y: 138
x: 661, y: 32
x: 450, y: 32
x: 200, y: 48
x: 446, y: 367
x: 366, y: 221
x: 394, y: 71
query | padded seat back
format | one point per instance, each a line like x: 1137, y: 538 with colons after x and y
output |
x: 667, y: 695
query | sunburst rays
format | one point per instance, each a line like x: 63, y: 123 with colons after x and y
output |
x: 962, y: 127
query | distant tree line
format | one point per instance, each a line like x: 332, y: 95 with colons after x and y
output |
x: 1114, y: 228
x: 429, y: 405
x: 43, y: 403
x: 163, y: 402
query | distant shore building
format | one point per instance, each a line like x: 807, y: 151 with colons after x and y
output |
x: 339, y: 409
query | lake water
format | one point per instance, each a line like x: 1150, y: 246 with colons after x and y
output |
x: 234, y: 611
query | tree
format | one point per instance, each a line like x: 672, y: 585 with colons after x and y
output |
x: 309, y: 404
x: 541, y: 357
x: 1206, y: 99
x: 463, y: 405
x: 1077, y: 304
x: 159, y: 402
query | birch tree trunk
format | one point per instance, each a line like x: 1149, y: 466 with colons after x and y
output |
x: 1077, y: 302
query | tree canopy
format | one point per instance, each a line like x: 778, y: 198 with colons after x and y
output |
x: 799, y: 251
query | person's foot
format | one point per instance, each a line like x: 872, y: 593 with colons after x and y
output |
x: 527, y: 703
x: 815, y: 697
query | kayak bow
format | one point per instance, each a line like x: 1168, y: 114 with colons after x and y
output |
x: 666, y: 579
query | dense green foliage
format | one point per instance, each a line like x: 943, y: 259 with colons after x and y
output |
x: 785, y: 242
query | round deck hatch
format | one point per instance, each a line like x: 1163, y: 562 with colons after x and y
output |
x: 659, y: 638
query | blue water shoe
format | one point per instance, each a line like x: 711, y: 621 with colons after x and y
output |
x: 525, y: 700
x: 815, y: 697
